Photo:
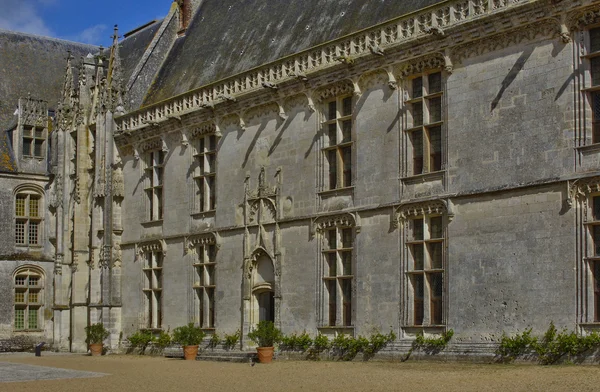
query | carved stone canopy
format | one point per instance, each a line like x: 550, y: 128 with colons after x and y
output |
x: 433, y: 207
x: 344, y: 220
x: 150, y: 246
x: 194, y: 241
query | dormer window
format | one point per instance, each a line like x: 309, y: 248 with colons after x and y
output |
x: 33, y: 141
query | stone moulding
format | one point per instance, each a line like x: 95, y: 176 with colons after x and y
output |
x: 437, y: 207
x: 375, y: 41
x: 322, y: 223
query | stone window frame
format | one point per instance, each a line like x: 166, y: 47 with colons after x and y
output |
x: 152, y: 256
x: 23, y: 292
x: 345, y: 313
x: 333, y: 122
x: 24, y: 221
x: 33, y: 136
x: 153, y: 169
x: 205, y: 141
x: 592, y: 255
x: 205, y: 249
x: 591, y: 88
x: 426, y: 160
x: 407, y: 216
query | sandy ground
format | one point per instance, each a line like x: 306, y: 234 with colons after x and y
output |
x: 139, y: 373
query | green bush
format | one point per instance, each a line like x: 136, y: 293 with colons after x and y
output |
x: 265, y: 334
x: 230, y: 341
x: 163, y: 340
x: 96, y: 333
x: 550, y: 348
x: 141, y: 340
x: 214, y: 341
x: 188, y: 335
x: 296, y: 342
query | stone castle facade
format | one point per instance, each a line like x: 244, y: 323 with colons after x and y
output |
x: 348, y: 168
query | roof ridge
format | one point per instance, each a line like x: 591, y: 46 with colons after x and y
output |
x: 48, y: 38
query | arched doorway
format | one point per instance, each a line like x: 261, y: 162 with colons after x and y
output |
x: 263, y: 290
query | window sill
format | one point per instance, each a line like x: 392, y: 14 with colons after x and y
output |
x: 589, y: 148
x: 204, y: 214
x: 28, y: 330
x: 425, y: 177
x: 337, y: 191
x: 153, y: 223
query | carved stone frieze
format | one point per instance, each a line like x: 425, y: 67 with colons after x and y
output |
x: 582, y: 188
x: 333, y: 90
x: 420, y: 65
x: 435, y: 207
x: 150, y: 246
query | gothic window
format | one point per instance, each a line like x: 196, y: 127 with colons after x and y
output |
x: 205, y: 173
x: 153, y: 262
x: 338, y: 275
x: 33, y: 141
x: 594, y: 255
x: 28, y: 288
x: 594, y: 87
x: 28, y: 218
x: 425, y: 120
x: 337, y: 129
x: 425, y: 270
x: 205, y: 284
x: 154, y: 171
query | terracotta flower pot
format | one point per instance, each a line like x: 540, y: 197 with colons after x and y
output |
x: 190, y: 352
x: 265, y: 354
x: 96, y: 349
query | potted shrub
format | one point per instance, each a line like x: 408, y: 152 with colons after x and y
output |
x: 265, y: 335
x: 95, y: 335
x: 189, y: 336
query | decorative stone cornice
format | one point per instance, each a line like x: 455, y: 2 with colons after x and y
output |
x: 432, y: 207
x: 150, y: 246
x: 192, y: 242
x: 344, y: 220
x: 582, y: 188
x: 384, y: 41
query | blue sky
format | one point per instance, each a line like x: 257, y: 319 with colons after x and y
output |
x: 79, y: 20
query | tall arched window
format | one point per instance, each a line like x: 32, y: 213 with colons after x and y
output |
x: 28, y: 291
x: 28, y: 217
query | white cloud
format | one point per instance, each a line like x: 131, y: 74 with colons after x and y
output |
x: 92, y: 35
x: 22, y: 15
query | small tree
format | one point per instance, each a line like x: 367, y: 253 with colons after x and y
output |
x: 188, y: 335
x: 96, y: 333
x: 265, y: 334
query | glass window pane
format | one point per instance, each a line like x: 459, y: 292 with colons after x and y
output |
x: 417, y: 87
x: 347, y: 106
x: 39, y: 132
x: 33, y: 233
x: 347, y: 301
x: 20, y: 297
x: 332, y: 110
x: 435, y: 149
x: 417, y: 229
x: 27, y: 146
x: 20, y: 205
x: 38, y: 149
x: 596, y: 234
x: 595, y: 69
x: 33, y: 297
x: 418, y: 299
x: 417, y: 151
x: 332, y: 160
x: 435, y: 255
x: 417, y: 113
x: 34, y: 207
x: 20, y: 280
x: 347, y: 238
x: 212, y: 142
x: 437, y: 288
x: 211, y: 159
x: 332, y: 133
x: 435, y: 109
x: 19, y: 318
x: 347, y: 161
x: 596, y: 117
x: 595, y: 40
x: 332, y: 239
x: 332, y: 293
x: 435, y: 83
x: 418, y: 257
x: 346, y: 131
x: 210, y: 182
x: 332, y: 264
x: 347, y: 262
x: 435, y: 227
x: 20, y: 232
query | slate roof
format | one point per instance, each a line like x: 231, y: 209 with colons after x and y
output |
x: 33, y: 64
x: 227, y: 37
x: 132, y: 48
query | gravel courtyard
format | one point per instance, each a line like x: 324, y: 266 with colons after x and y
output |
x: 139, y: 373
